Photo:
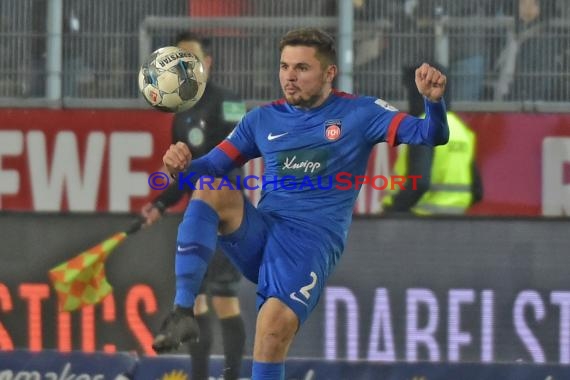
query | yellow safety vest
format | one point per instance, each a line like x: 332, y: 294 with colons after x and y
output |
x: 451, y: 172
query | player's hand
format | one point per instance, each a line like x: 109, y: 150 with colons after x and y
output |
x: 177, y: 158
x: 178, y: 327
x: 430, y: 82
x: 151, y: 214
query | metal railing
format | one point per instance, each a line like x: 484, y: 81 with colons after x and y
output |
x: 87, y: 54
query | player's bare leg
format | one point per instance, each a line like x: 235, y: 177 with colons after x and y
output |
x: 274, y: 331
x: 276, y: 322
x: 227, y: 203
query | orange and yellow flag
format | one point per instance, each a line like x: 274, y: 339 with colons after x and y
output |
x: 81, y: 281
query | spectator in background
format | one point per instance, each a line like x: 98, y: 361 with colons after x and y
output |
x: 203, y: 127
x: 467, y: 42
x: 262, y: 57
x: 528, y: 63
x: 450, y: 182
x: 391, y: 34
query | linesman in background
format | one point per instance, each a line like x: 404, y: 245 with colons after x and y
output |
x: 202, y: 127
x: 450, y: 182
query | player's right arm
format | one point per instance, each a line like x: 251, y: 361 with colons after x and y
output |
x: 233, y: 152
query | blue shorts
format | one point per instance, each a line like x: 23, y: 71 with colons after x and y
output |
x: 284, y: 260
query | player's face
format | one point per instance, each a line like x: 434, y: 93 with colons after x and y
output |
x: 195, y: 48
x: 304, y: 81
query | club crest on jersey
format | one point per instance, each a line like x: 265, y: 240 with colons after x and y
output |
x: 333, y: 130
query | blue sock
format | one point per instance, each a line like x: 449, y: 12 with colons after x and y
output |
x: 195, y: 245
x: 268, y: 371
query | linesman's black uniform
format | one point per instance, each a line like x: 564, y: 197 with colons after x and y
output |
x: 202, y: 127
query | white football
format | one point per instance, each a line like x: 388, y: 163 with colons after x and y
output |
x: 172, y: 79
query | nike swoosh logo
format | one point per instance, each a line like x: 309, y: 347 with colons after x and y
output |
x: 273, y: 137
x: 187, y: 248
x: 294, y: 297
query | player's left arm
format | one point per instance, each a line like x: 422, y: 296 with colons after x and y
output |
x: 433, y: 129
x: 396, y: 127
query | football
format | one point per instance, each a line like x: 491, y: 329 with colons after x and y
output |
x: 172, y: 79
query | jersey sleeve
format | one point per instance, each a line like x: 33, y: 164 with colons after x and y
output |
x: 430, y: 130
x: 242, y: 138
x: 382, y: 120
x: 238, y: 148
x: 386, y: 124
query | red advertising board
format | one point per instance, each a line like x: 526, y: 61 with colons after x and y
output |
x: 79, y: 160
x: 100, y: 161
x: 524, y: 160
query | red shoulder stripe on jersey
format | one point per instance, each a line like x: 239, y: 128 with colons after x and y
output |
x: 393, y: 128
x: 232, y: 152
x: 277, y: 102
x: 343, y: 94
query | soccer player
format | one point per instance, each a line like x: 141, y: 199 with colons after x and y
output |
x: 201, y: 128
x: 290, y: 243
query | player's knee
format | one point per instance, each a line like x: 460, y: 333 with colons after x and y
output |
x: 272, y: 343
x: 228, y: 204
x: 276, y: 328
x: 215, y: 195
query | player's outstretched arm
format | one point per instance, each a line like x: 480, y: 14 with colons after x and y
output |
x: 216, y: 163
x: 431, y: 84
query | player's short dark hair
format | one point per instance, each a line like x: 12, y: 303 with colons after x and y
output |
x: 312, y: 37
x: 205, y: 43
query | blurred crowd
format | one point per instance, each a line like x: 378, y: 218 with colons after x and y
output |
x: 499, y: 50
x: 494, y: 49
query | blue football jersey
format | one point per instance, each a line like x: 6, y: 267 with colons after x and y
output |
x: 312, y: 157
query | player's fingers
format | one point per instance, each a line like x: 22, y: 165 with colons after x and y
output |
x: 171, y: 161
x: 442, y: 80
x: 431, y: 75
x: 179, y: 156
x: 435, y: 78
x: 183, y: 148
x: 420, y: 72
x: 426, y: 68
x: 170, y: 157
x: 183, y: 151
